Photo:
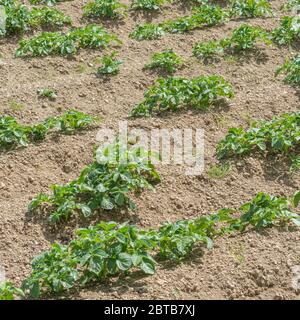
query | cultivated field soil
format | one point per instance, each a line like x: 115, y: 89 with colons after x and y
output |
x: 250, y: 265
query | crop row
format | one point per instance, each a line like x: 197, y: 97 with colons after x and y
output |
x: 109, y: 249
x: 13, y: 134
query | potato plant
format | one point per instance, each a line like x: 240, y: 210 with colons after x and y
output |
x: 9, y: 292
x: 250, y: 8
x: 110, y: 249
x: 19, y: 19
x: 103, y: 185
x: 279, y: 135
x: 147, y: 31
x: 288, y: 32
x: 57, y: 43
x: 13, y: 134
x: 166, y: 60
x: 292, y: 70
x: 47, y: 93
x: 48, y: 17
x: 147, y: 4
x: 104, y: 9
x: 110, y: 65
x: 47, y: 2
x: 174, y: 92
x: 203, y: 16
x: 291, y: 5
x: 243, y: 38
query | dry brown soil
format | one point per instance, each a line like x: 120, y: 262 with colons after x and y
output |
x: 253, y: 265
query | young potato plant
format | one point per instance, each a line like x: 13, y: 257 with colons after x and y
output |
x: 57, y: 43
x: 48, y: 17
x: 9, y: 292
x: 17, y: 18
x: 13, y: 134
x: 147, y: 31
x: 291, y: 5
x: 250, y: 8
x: 103, y: 185
x: 288, y: 31
x: 20, y: 19
x: 166, y: 60
x: 47, y: 93
x: 203, y: 16
x: 104, y: 9
x: 243, y: 38
x: 110, y: 65
x: 279, y: 135
x: 110, y: 249
x: 147, y: 4
x: 292, y: 70
x: 49, y: 3
x: 174, y: 92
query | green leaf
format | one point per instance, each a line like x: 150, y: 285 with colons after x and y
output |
x: 124, y: 261
x: 296, y: 199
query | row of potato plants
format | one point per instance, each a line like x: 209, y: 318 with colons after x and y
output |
x: 19, y: 18
x: 14, y: 134
x: 58, y: 43
x: 203, y: 16
x: 109, y: 249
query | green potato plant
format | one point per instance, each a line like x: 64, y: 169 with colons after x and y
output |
x: 288, y: 32
x: 171, y: 93
x: 110, y: 65
x: 13, y: 134
x: 111, y: 249
x: 279, y: 135
x: 291, y: 68
x: 103, y: 185
x: 57, y: 43
x: 104, y: 9
x: 166, y: 60
x: 243, y: 38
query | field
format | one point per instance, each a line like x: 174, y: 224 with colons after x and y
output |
x: 255, y: 264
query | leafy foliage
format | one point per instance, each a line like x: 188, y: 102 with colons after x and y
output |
x: 250, y: 8
x: 171, y: 93
x: 47, y: 2
x: 219, y: 171
x: 20, y: 19
x: 203, y: 16
x: 292, y: 70
x: 243, y: 38
x: 13, y: 134
x: 147, y: 31
x: 279, y: 135
x: 110, y: 65
x: 104, y: 9
x: 9, y: 292
x: 104, y: 184
x: 47, y: 43
x: 291, y: 5
x: 288, y: 32
x: 17, y: 18
x: 48, y: 17
x: 147, y: 4
x: 166, y: 60
x: 47, y: 93
x: 109, y: 249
